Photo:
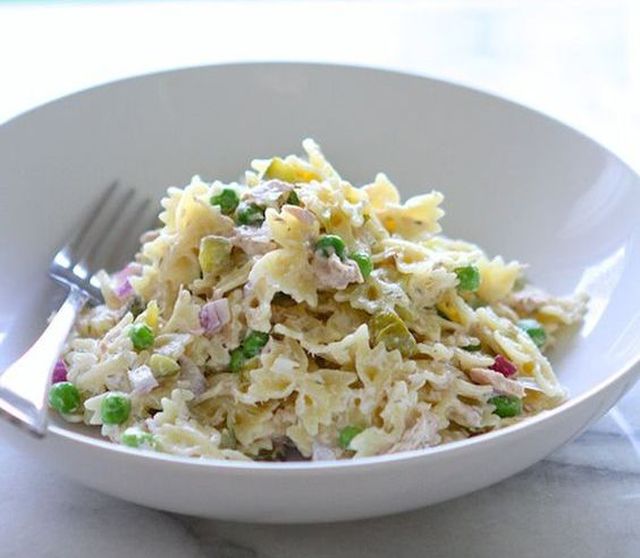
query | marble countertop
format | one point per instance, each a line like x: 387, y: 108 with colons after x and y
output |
x: 578, y: 64
x: 582, y: 501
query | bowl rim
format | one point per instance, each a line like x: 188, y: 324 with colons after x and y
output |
x: 451, y: 447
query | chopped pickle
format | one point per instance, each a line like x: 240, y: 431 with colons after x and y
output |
x: 290, y: 171
x: 214, y: 253
x: 388, y: 328
x: 162, y: 365
x: 293, y: 198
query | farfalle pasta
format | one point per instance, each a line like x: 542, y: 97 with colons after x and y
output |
x: 295, y: 316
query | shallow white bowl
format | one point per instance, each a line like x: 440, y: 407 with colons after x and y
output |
x: 518, y: 183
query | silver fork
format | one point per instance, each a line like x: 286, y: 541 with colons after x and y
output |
x: 25, y: 384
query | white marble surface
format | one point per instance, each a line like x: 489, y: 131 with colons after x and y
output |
x: 583, y: 501
x: 577, y: 61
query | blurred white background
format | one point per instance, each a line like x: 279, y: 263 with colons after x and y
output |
x: 576, y: 60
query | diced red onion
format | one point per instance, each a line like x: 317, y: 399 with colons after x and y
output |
x: 214, y: 315
x: 504, y: 366
x: 142, y: 380
x: 123, y: 288
x: 59, y: 372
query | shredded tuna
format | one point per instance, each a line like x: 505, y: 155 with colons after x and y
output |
x: 422, y: 434
x: 270, y: 193
x: 253, y: 241
x: 300, y: 213
x: 333, y: 273
x: 528, y: 300
x: 215, y: 315
x: 322, y: 453
x: 142, y: 380
x: 464, y: 414
x: 484, y: 376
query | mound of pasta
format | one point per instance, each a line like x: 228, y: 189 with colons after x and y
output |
x: 294, y: 316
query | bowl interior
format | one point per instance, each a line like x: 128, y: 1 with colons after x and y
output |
x: 517, y: 183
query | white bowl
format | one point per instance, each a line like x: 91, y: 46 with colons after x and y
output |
x: 518, y: 183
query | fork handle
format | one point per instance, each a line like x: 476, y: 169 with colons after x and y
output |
x: 25, y: 384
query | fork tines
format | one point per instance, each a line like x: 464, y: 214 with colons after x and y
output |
x: 104, y: 240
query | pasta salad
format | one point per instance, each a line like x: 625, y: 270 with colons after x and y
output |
x: 295, y: 316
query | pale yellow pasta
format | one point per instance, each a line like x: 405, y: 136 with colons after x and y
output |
x: 317, y: 320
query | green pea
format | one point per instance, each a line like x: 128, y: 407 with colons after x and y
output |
x: 64, y: 397
x: 250, y: 214
x: 134, y: 437
x: 535, y: 330
x: 364, y: 263
x: 506, y: 406
x: 468, y: 278
x: 237, y: 360
x: 115, y: 408
x: 227, y: 199
x: 293, y: 198
x: 347, y: 434
x: 253, y: 343
x: 141, y: 336
x: 331, y: 244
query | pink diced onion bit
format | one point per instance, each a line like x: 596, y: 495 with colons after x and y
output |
x: 59, y: 372
x: 214, y: 315
x: 123, y: 290
x: 122, y: 287
x: 504, y: 366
